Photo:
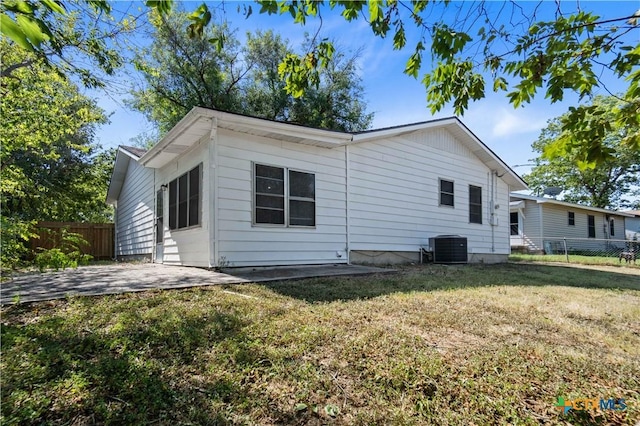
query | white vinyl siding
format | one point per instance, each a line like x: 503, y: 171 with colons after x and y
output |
x: 241, y: 243
x: 556, y: 225
x: 134, y: 214
x: 189, y: 246
x: 395, y: 194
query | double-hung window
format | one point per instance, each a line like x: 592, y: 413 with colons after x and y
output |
x: 475, y: 204
x: 184, y: 199
x: 446, y: 192
x: 571, y: 217
x: 284, y: 197
x: 591, y: 226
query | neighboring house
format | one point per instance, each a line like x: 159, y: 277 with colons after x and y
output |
x: 540, y: 225
x: 232, y: 190
x: 632, y: 225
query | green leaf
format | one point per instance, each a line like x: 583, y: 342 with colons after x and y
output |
x: 162, y: 6
x: 301, y: 406
x: 14, y: 32
x: 399, y: 39
x: 332, y: 410
x: 374, y: 10
x: 269, y: 7
x: 499, y: 84
x: 32, y: 30
x: 415, y: 61
x: 20, y: 7
x: 54, y: 6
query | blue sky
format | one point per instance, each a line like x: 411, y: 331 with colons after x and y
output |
x: 394, y: 97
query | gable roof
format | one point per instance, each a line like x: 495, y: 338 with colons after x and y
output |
x: 120, y: 166
x: 542, y: 200
x: 199, y: 122
x: 136, y: 152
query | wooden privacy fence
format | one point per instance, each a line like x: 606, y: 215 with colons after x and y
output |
x: 99, y: 237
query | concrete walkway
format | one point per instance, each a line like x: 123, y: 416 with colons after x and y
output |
x: 130, y: 277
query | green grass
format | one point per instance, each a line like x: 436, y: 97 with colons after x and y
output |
x: 574, y: 258
x: 428, y: 345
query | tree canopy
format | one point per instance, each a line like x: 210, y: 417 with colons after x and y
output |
x: 75, y: 39
x: 468, y: 53
x: 50, y: 166
x: 612, y: 184
x: 180, y: 73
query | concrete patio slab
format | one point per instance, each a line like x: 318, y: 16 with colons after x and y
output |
x: 131, y: 277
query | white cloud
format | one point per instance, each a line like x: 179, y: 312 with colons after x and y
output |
x: 509, y: 123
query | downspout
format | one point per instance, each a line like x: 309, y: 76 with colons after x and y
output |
x: 492, y: 217
x: 115, y: 231
x: 347, y: 199
x: 154, y: 245
x: 541, y: 210
x: 213, y: 193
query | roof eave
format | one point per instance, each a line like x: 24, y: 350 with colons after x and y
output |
x: 539, y: 200
x: 118, y: 174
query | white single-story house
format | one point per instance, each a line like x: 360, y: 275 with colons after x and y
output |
x: 134, y: 212
x: 632, y: 225
x: 540, y: 224
x: 222, y: 189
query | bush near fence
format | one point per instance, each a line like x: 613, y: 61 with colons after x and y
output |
x: 99, y: 237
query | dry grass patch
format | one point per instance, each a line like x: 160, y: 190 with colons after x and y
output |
x: 433, y: 345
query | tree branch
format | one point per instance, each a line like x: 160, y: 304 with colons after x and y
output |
x: 6, y: 72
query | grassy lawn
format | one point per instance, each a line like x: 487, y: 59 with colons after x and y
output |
x: 574, y: 258
x: 457, y: 345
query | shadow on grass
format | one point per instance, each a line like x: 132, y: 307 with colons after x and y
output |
x: 444, y: 277
x: 127, y: 374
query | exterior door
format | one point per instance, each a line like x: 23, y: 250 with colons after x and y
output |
x: 159, y: 225
x: 516, y: 229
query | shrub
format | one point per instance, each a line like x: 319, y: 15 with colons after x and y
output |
x: 14, y: 238
x: 68, y: 254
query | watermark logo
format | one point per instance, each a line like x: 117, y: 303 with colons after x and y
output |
x: 584, y: 404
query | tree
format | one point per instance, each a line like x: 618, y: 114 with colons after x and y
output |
x: 336, y: 103
x: 180, y: 73
x: 75, y: 39
x: 468, y: 52
x: 50, y: 169
x: 609, y: 185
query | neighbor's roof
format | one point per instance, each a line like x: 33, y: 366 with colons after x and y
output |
x: 138, y: 152
x: 542, y: 200
x: 123, y: 156
x: 199, y: 123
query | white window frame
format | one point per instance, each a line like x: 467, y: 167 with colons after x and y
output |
x: 287, y: 198
x: 177, y: 205
x: 440, y: 192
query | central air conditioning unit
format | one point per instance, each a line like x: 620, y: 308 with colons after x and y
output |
x: 449, y: 249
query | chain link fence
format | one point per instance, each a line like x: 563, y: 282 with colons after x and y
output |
x: 581, y: 250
